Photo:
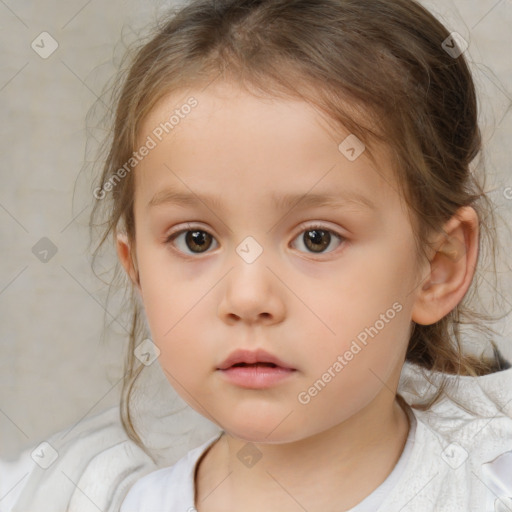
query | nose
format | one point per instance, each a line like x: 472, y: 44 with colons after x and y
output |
x: 252, y: 294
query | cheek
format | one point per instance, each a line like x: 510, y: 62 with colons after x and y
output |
x: 351, y: 374
x: 176, y: 322
x: 174, y: 308
x: 167, y: 293
x: 364, y: 316
x: 353, y: 300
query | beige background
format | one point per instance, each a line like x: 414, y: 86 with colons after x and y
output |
x: 55, y: 368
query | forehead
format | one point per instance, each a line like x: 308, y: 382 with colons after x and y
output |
x: 222, y: 139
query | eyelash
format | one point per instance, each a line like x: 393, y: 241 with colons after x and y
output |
x: 172, y: 236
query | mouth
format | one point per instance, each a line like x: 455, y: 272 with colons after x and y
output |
x: 254, y: 369
x: 253, y: 358
x: 269, y: 365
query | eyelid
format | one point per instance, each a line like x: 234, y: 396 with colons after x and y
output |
x: 190, y: 226
x: 305, y: 226
x: 311, y: 225
x: 170, y: 237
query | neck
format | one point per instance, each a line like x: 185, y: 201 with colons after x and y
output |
x: 343, y: 465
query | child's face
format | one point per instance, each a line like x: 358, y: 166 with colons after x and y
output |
x: 335, y: 310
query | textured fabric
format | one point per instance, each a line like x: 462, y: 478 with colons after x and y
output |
x: 173, y: 488
x: 459, y: 460
x: 95, y: 467
x: 445, y: 469
x: 13, y: 477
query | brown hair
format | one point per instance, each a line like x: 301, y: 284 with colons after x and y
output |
x: 349, y: 58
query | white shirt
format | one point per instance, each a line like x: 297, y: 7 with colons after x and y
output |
x: 96, y: 465
x: 445, y: 466
x: 173, y: 488
x: 453, y: 460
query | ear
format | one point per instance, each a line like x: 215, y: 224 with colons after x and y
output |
x: 127, y: 258
x: 451, y: 269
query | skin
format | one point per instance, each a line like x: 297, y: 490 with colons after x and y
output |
x: 303, y: 306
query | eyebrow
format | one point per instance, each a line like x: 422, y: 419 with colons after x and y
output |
x: 281, y: 202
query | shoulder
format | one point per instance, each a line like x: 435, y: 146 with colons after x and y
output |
x: 470, y: 407
x: 463, y: 448
x: 92, y: 461
x: 168, y: 488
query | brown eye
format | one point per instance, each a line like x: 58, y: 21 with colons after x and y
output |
x: 316, y: 239
x: 200, y: 240
x: 196, y: 241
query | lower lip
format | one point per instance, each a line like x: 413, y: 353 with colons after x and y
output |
x: 256, y: 377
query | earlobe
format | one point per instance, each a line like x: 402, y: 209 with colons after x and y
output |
x: 451, y: 268
x: 124, y: 253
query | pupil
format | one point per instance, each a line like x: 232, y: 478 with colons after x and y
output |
x: 198, y: 239
x: 313, y: 239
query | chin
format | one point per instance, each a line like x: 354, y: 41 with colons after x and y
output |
x: 250, y: 435
x: 265, y: 432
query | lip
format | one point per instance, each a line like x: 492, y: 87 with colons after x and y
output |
x: 252, y: 357
x: 258, y: 376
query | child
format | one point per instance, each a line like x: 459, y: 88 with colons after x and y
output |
x: 293, y: 200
